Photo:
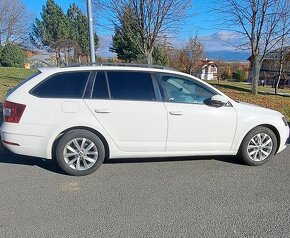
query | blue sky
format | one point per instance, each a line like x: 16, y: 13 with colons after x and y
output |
x: 202, y: 21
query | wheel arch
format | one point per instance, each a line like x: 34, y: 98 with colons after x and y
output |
x: 276, y: 132
x: 103, y: 139
x: 272, y: 128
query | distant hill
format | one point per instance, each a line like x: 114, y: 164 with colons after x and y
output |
x: 228, y: 55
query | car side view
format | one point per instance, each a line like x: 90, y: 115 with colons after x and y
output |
x: 84, y: 114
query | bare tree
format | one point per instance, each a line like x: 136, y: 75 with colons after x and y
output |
x: 258, y: 21
x: 14, y: 21
x: 285, y: 29
x: 154, y: 19
x: 194, y: 51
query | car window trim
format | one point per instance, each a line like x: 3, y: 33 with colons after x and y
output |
x: 93, y: 85
x: 158, y: 96
x: 89, y: 85
x: 108, y: 85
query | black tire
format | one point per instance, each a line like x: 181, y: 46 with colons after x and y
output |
x: 82, y: 160
x: 256, y: 152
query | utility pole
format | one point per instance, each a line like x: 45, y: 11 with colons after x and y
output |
x: 91, y: 32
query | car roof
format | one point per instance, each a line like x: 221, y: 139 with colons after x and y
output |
x: 110, y: 66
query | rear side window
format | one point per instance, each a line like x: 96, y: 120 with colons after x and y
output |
x: 131, y: 86
x: 62, y: 85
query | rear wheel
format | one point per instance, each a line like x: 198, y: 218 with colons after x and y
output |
x: 80, y: 152
x: 258, y: 146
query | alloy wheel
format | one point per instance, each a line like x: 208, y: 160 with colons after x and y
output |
x: 260, y: 147
x: 80, y: 154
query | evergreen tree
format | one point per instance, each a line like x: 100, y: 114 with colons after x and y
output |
x: 60, y: 32
x: 12, y: 56
x: 79, y: 29
x: 54, y: 26
x: 1, y: 49
x: 159, y: 56
x: 126, y: 39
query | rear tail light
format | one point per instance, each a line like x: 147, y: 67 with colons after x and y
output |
x: 12, y: 112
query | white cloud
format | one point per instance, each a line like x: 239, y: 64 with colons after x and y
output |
x: 104, y: 46
x: 223, y: 41
x: 220, y: 41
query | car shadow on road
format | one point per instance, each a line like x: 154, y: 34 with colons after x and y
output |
x: 7, y: 157
x: 288, y: 141
x: 226, y: 159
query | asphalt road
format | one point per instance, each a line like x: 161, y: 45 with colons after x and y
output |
x: 179, y: 197
x: 190, y: 197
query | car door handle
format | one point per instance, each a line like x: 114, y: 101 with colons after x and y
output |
x: 103, y: 110
x: 176, y: 113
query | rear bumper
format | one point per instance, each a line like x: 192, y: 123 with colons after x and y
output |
x: 15, y: 138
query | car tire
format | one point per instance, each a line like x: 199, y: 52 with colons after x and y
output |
x: 258, y: 146
x: 80, y: 152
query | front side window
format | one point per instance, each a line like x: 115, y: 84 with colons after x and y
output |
x: 183, y: 90
x: 62, y: 85
x: 131, y: 86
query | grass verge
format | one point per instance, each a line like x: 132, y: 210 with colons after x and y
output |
x: 10, y: 77
x: 280, y: 103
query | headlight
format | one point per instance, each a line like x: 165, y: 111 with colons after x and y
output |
x: 285, y: 121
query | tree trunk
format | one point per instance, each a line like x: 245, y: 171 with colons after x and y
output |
x: 281, y: 60
x: 279, y: 77
x: 256, y: 66
x: 56, y: 59
x: 65, y: 57
x: 59, y: 58
x: 149, y: 57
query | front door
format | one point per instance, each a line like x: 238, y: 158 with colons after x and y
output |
x: 194, y: 125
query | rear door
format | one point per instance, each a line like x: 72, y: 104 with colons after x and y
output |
x: 128, y: 106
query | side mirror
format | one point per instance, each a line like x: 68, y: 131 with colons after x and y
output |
x: 218, y: 101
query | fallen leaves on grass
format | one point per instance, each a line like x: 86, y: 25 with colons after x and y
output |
x: 275, y: 102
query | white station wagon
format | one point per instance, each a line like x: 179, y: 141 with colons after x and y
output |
x: 82, y: 115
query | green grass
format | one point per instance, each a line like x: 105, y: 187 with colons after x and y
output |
x: 246, y: 87
x: 9, y: 77
x: 266, y: 98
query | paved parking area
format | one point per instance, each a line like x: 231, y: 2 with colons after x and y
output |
x: 178, y: 197
x: 189, y: 197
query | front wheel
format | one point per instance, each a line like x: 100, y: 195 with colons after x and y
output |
x: 80, y: 152
x: 258, y: 146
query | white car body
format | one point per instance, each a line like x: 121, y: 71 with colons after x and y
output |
x: 136, y: 128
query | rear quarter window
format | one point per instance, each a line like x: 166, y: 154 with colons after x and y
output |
x: 62, y: 85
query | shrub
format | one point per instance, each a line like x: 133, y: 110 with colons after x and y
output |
x: 12, y: 56
x: 239, y: 75
x: 1, y: 49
